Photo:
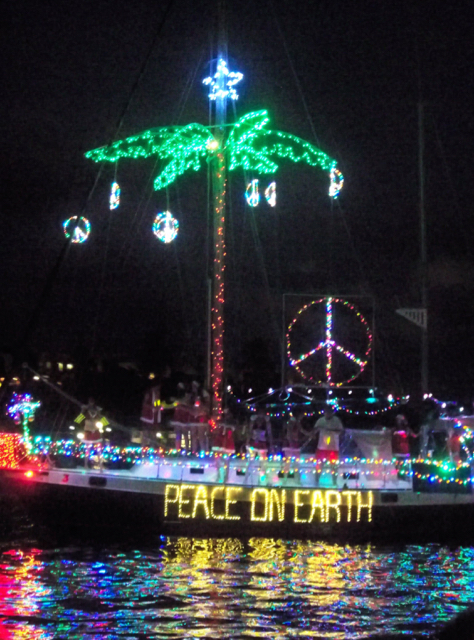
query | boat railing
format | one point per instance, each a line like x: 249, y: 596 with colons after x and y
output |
x: 278, y: 472
x: 257, y: 470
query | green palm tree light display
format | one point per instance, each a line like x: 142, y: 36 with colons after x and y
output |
x: 248, y: 144
x: 22, y: 409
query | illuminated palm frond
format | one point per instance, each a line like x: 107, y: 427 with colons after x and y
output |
x: 253, y: 147
x: 249, y: 145
x: 184, y: 146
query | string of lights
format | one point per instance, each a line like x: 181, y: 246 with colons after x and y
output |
x: 337, y: 182
x: 281, y: 403
x: 217, y: 312
x: 447, y: 472
x: 21, y: 409
x: 10, y: 450
x: 248, y: 146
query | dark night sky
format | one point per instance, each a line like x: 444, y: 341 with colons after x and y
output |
x: 345, y: 76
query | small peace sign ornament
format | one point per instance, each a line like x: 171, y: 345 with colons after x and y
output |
x: 79, y: 230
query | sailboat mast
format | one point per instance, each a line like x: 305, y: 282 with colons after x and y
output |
x: 423, y: 253
x: 219, y: 180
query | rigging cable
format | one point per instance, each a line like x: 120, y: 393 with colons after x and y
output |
x: 72, y: 399
x: 364, y: 277
x: 131, y: 238
x: 34, y: 318
x: 365, y: 282
x: 117, y: 129
x: 141, y: 211
x: 454, y: 191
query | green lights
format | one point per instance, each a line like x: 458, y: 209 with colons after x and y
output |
x: 249, y: 146
x: 183, y: 146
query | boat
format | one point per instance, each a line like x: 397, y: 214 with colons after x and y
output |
x: 358, y: 497
x: 99, y: 485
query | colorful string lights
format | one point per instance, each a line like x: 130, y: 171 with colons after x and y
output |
x: 114, y: 199
x: 445, y: 472
x: 22, y: 409
x: 217, y: 311
x: 281, y: 402
x: 165, y: 227
x: 249, y: 146
x: 438, y: 472
x: 10, y: 448
x: 223, y: 82
x: 80, y: 230
x: 329, y: 346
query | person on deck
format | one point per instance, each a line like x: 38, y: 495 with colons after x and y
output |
x: 151, y: 414
x: 329, y: 428
x: 93, y: 421
x: 223, y: 435
x: 295, y: 433
x: 200, y: 425
x: 428, y: 425
x: 454, y: 441
x: 402, y: 437
x: 260, y: 439
x: 182, y: 417
x: 240, y: 434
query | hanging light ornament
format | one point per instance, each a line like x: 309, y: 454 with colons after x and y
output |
x: 114, y: 199
x: 248, y: 144
x: 251, y: 194
x: 165, y: 227
x: 337, y: 182
x: 80, y: 231
x: 271, y: 194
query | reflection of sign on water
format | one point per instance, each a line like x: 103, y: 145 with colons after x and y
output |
x: 201, y: 502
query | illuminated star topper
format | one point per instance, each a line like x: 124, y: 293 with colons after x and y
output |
x: 223, y: 82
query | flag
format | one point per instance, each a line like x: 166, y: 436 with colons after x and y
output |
x: 418, y: 316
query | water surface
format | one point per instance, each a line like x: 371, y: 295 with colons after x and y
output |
x: 229, y: 588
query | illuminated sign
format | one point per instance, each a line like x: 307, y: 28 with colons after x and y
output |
x: 187, y: 501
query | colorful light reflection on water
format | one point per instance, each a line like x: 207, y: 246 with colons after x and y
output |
x: 228, y: 588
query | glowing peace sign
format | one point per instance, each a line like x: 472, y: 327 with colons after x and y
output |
x: 340, y: 365
x: 80, y: 231
x: 165, y: 227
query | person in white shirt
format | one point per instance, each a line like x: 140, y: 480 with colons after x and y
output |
x: 259, y: 439
x: 329, y: 428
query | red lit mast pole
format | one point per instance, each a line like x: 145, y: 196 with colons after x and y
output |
x: 217, y: 311
x: 219, y: 179
x: 218, y: 168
